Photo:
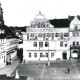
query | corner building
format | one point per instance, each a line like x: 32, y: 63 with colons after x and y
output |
x: 8, y: 43
x: 52, y: 39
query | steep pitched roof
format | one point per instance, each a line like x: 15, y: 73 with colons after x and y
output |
x: 60, y: 23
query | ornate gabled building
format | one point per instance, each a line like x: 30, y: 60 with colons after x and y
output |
x: 8, y: 43
x: 52, y: 39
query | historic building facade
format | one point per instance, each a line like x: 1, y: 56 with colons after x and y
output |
x: 52, y: 39
x: 8, y: 43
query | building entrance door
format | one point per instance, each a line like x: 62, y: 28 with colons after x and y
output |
x: 64, y: 55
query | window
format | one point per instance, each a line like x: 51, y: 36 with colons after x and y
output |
x: 66, y: 34
x: 77, y: 43
x: 56, y: 34
x: 46, y: 54
x: 35, y: 54
x: 77, y: 33
x: 61, y: 44
x: 48, y: 35
x: 35, y: 44
x: 39, y: 25
x: 40, y: 35
x: 29, y: 54
x: 44, y: 35
x: 73, y: 43
x: 65, y: 45
x: 33, y: 25
x: 43, y: 24
x: 61, y: 36
x: 31, y: 34
x: 27, y: 36
x: 47, y: 25
x: 41, y: 54
x: 52, y: 54
x: 74, y: 34
x: 46, y: 44
x: 4, y: 59
x: 40, y: 44
x: 52, y: 36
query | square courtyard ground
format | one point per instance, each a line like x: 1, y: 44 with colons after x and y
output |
x: 58, y: 70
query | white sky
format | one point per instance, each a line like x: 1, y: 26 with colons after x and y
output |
x: 21, y: 12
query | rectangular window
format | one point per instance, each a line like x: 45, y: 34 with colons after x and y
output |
x: 46, y: 44
x: 65, y: 45
x: 52, y: 36
x: 61, y: 44
x: 44, y: 35
x: 40, y: 35
x: 77, y: 43
x: 46, y: 54
x: 77, y: 33
x: 41, y: 54
x: 56, y: 34
x: 66, y: 34
x: 74, y: 34
x: 73, y: 43
x: 61, y: 36
x: 52, y: 54
x: 31, y: 34
x: 48, y: 35
x: 29, y: 54
x: 35, y: 54
x: 40, y: 44
x: 27, y: 36
x: 35, y: 44
x: 36, y: 36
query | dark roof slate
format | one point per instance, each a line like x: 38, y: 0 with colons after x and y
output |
x: 60, y: 23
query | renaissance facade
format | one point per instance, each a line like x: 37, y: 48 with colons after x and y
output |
x: 52, y: 39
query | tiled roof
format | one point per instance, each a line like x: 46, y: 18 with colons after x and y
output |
x: 60, y: 23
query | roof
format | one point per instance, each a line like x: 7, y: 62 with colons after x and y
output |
x: 9, y: 33
x: 60, y: 23
x: 2, y: 36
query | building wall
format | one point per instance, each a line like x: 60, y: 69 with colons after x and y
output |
x: 11, y: 48
x: 60, y: 39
